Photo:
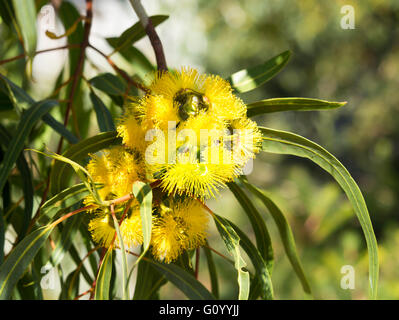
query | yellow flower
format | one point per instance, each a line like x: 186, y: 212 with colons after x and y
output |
x: 131, y: 229
x: 199, y: 178
x: 180, y: 226
x: 116, y: 169
x: 187, y: 93
x: 102, y: 229
x: 245, y: 140
x: 130, y: 129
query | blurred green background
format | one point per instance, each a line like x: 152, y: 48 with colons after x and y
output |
x: 360, y: 66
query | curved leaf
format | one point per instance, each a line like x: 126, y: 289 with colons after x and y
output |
x: 124, y: 282
x: 104, y: 277
x: 28, y: 120
x: 134, y: 33
x: 27, y: 182
x: 62, y: 201
x: 25, y: 12
x: 286, y: 234
x: 20, y: 257
x: 251, y: 78
x: 263, y: 241
x: 104, y: 117
x: 290, y: 104
x: 232, y: 243
x: 183, y: 280
x: 143, y: 193
x: 263, y: 281
x: 212, y: 272
x: 283, y: 142
x: 61, y: 171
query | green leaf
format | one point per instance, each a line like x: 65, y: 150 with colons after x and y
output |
x: 27, y: 182
x: 61, y: 172
x: 60, y: 128
x: 83, y: 174
x: 109, y: 83
x: 20, y: 257
x: 63, y: 244
x: 263, y: 281
x: 69, y: 15
x: 28, y: 120
x: 285, y: 232
x: 70, y: 288
x: 104, y: 117
x: 62, y: 201
x: 124, y: 283
x: 138, y: 62
x: 25, y: 12
x: 134, y: 33
x: 143, y: 193
x: 290, y: 104
x: 104, y: 277
x: 263, y: 241
x: 251, y: 78
x: 232, y: 243
x: 18, y: 97
x: 283, y: 142
x: 148, y: 282
x: 212, y: 271
x: 183, y: 280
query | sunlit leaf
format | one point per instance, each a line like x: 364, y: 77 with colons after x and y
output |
x: 183, y: 280
x: 286, y: 234
x: 283, y: 142
x: 290, y: 104
x: 104, y: 277
x: 232, y: 243
x: 251, y: 78
x: 61, y: 171
x: 20, y: 257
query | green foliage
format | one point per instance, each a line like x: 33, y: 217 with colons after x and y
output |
x: 56, y: 234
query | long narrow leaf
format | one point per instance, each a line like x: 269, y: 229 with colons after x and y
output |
x: 283, y: 142
x: 16, y: 145
x: 20, y: 257
x: 62, y: 201
x: 27, y: 182
x: 62, y: 171
x: 262, y: 236
x: 232, y: 243
x: 212, y: 272
x: 263, y: 279
x: 286, y: 234
x: 104, y: 277
x: 183, y: 280
x: 251, y: 78
x: 125, y: 289
x: 290, y: 104
x: 104, y: 117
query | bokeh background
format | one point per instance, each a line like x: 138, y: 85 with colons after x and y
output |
x: 360, y: 66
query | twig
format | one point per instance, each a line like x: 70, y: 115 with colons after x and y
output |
x: 152, y: 34
x: 83, y: 294
x: 23, y: 55
x: 122, y: 73
x: 79, y: 67
x: 197, y: 257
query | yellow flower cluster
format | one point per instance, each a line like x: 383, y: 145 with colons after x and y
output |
x: 188, y: 136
